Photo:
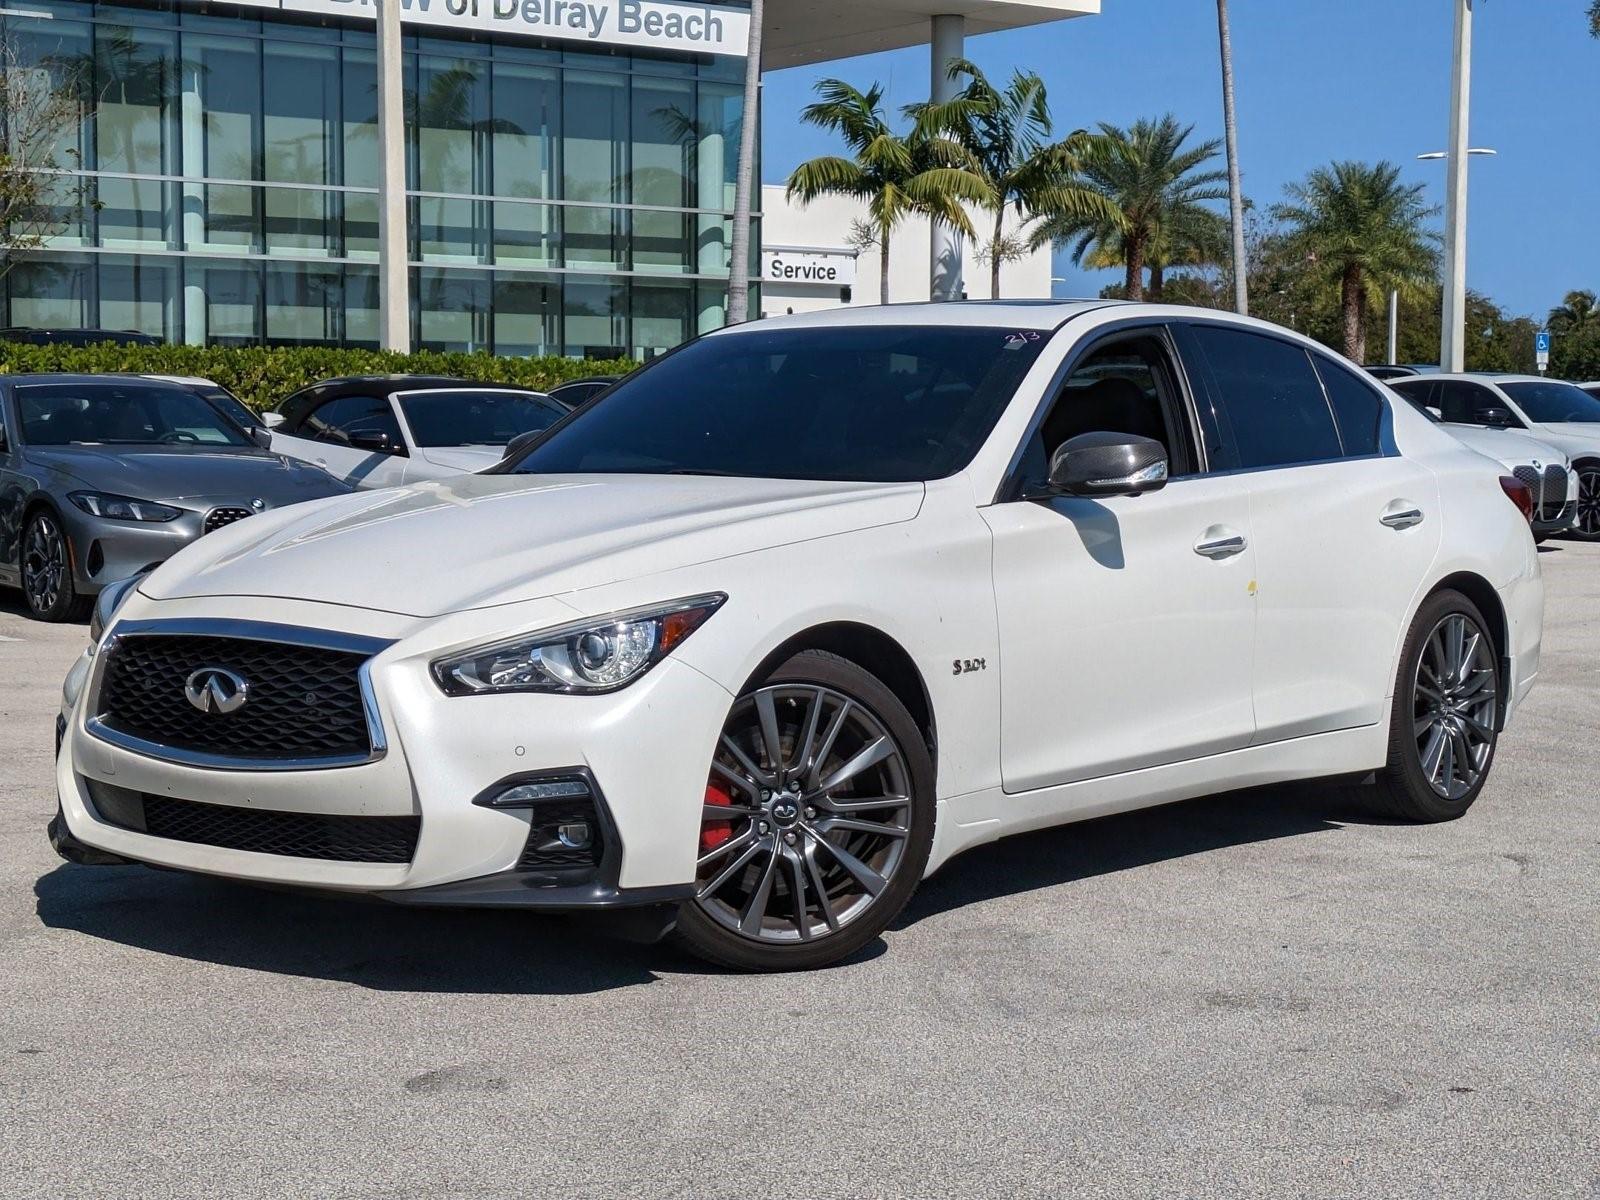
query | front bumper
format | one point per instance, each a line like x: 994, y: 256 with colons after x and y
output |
x: 104, y: 551
x: 1563, y: 520
x: 646, y: 747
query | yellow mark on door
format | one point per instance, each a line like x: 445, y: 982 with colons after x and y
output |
x: 1251, y: 588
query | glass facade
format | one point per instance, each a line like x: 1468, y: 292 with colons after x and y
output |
x: 560, y: 201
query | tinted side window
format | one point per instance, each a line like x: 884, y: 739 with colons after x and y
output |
x: 1418, y: 391
x: 295, y: 408
x: 1357, y: 408
x: 1462, y: 402
x: 336, y: 420
x: 1270, y: 398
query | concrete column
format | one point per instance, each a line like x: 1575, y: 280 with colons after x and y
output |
x: 192, y: 223
x: 394, y: 258
x: 712, y: 227
x: 1452, y: 340
x: 949, y: 42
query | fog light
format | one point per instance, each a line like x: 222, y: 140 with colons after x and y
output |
x: 575, y: 835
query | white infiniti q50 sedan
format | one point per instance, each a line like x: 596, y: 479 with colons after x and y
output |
x: 805, y: 608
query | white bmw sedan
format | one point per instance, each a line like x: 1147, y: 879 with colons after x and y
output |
x: 800, y: 611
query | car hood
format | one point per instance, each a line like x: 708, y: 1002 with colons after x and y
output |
x: 477, y: 540
x: 462, y: 458
x: 180, y: 473
x: 1509, y: 449
x: 1575, y: 437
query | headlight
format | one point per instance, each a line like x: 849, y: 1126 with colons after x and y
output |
x: 600, y: 654
x: 123, y: 508
x: 107, y: 602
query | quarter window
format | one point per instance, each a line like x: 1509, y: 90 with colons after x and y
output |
x: 1357, y: 408
x: 1269, y: 398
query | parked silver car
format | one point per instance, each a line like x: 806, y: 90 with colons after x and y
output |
x: 102, y: 476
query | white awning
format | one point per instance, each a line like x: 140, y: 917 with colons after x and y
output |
x: 813, y: 31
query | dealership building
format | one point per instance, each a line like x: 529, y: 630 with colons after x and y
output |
x: 569, y: 166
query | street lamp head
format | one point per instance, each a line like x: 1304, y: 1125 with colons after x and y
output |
x: 1438, y: 154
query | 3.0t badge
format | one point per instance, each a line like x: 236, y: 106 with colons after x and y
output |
x: 216, y: 690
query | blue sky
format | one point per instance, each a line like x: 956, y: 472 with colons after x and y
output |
x: 1318, y: 81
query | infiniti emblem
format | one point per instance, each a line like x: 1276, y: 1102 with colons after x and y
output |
x: 215, y: 690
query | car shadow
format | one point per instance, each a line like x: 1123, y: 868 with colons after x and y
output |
x: 12, y: 604
x: 374, y: 945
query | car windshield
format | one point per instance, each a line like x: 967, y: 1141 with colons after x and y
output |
x: 1550, y: 401
x: 877, y: 403
x: 122, y: 411
x: 471, y: 418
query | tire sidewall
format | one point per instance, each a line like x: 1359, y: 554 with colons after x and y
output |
x: 705, y: 937
x: 1583, y: 468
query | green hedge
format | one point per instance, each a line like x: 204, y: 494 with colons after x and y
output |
x: 261, y: 375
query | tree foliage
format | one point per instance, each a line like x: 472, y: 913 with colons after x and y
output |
x: 39, y: 111
x: 1159, y: 191
x: 1007, y: 133
x: 895, y: 175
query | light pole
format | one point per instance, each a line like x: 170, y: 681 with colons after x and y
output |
x: 1453, y: 321
x: 1453, y: 326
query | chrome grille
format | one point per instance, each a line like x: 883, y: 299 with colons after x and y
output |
x: 307, y: 704
x: 1549, y: 490
x: 218, y: 517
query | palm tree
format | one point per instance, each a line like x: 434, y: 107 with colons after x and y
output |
x: 896, y: 176
x: 1577, y: 313
x: 1594, y: 18
x: 1007, y: 134
x: 744, y: 184
x: 1158, y: 191
x: 1359, y: 226
x: 1230, y: 129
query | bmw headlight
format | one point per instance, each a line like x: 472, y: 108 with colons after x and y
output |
x: 123, y: 508
x: 596, y: 655
x: 107, y: 602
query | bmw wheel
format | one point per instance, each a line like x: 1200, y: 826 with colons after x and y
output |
x: 1587, y: 523
x: 47, y: 570
x: 1446, y: 707
x: 817, y: 821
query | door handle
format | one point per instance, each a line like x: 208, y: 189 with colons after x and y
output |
x: 1401, y: 514
x: 1220, y: 542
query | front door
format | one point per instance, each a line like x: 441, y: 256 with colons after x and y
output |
x: 1126, y: 623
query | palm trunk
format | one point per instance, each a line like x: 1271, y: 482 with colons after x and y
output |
x: 883, y: 265
x: 1351, y: 302
x: 994, y: 249
x: 1241, y: 265
x: 744, y: 179
x: 1158, y: 276
x: 1133, y: 283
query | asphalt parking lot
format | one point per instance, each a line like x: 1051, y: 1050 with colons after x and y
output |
x: 1268, y: 994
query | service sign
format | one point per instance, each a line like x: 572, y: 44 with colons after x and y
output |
x: 648, y: 24
x: 828, y: 268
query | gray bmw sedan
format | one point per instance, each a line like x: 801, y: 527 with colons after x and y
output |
x: 102, y: 476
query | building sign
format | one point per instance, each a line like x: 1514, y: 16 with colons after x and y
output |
x: 648, y: 24
x: 827, y: 268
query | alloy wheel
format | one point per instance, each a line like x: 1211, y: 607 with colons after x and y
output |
x: 806, y: 818
x: 44, y: 563
x: 1453, y: 705
x: 1589, y: 502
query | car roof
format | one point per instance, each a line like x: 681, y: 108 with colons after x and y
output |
x: 84, y: 377
x: 398, y: 383
x: 1494, y: 377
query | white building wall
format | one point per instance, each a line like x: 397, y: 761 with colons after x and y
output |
x: 824, y: 224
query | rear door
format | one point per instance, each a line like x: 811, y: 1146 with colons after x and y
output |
x: 1345, y: 528
x: 340, y: 435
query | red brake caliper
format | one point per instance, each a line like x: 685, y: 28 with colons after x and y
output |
x: 716, y: 833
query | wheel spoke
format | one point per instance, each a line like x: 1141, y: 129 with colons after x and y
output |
x: 770, y: 738
x: 853, y: 826
x: 871, y: 756
x: 732, y: 869
x: 863, y: 874
x: 797, y: 885
x: 725, y: 812
x: 755, y: 911
x: 828, y: 738
x: 824, y: 904
x: 856, y: 805
x: 1433, y: 754
x: 738, y: 780
x: 743, y: 759
x: 1484, y: 676
x: 808, y: 739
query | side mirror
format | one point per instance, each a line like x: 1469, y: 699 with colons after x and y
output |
x: 261, y: 437
x: 1494, y: 415
x: 272, y: 419
x: 1108, y: 464
x: 375, y: 440
x: 520, y: 443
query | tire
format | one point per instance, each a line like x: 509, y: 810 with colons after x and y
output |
x: 1586, y: 523
x: 822, y: 868
x: 1435, y: 709
x: 46, y: 570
